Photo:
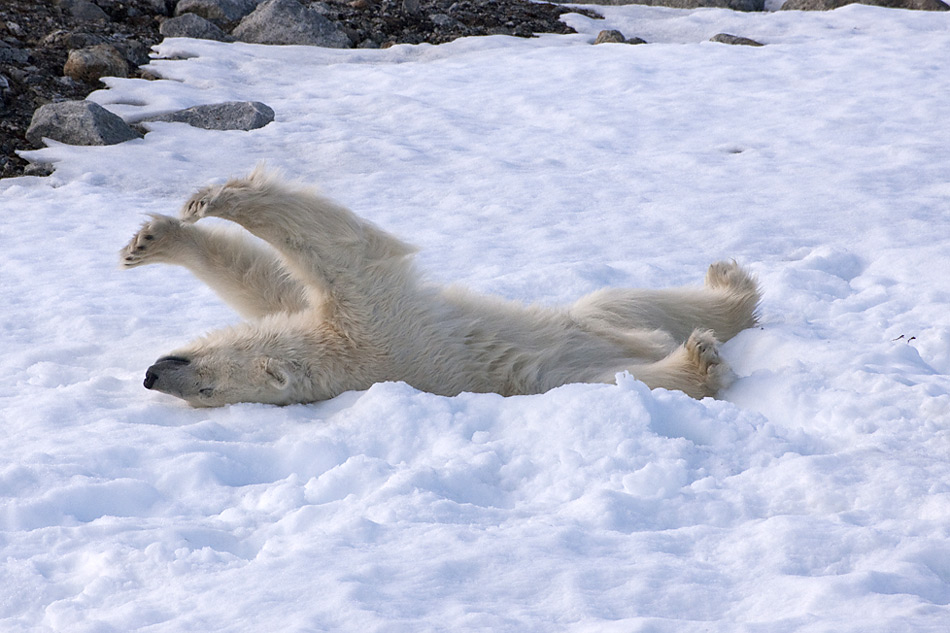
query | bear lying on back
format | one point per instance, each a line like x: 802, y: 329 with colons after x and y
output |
x: 335, y: 304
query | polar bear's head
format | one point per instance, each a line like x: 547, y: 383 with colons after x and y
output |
x: 208, y: 380
x: 269, y: 363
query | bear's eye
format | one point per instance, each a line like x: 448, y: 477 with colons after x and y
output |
x: 206, y: 392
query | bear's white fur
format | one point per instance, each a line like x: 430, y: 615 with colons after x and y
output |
x: 335, y: 304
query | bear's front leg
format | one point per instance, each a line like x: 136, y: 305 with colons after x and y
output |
x: 209, y: 202
x: 242, y: 200
x: 160, y: 240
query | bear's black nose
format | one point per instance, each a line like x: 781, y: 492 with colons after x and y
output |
x: 153, y: 373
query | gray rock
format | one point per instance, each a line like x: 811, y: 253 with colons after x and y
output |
x: 610, y: 37
x: 40, y: 170
x: 71, y: 39
x: 616, y: 37
x: 134, y: 51
x: 232, y: 115
x: 83, y: 10
x: 192, y: 25
x: 161, y: 7
x: 737, y: 5
x: 10, y: 54
x: 827, y: 5
x: 735, y: 40
x: 289, y: 22
x: 222, y: 12
x: 78, y: 123
x: 444, y: 21
x: 89, y: 64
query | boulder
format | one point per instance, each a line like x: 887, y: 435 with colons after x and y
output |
x: 192, y: 25
x: 221, y: 12
x: 735, y: 40
x: 610, y: 37
x: 83, y: 10
x: 827, y: 5
x: 231, y: 115
x: 289, y: 22
x: 89, y: 64
x: 78, y: 123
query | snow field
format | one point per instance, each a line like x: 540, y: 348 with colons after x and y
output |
x: 815, y: 496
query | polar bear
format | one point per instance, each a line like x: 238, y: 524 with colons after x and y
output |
x: 333, y: 303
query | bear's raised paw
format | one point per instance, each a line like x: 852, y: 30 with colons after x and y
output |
x: 153, y: 243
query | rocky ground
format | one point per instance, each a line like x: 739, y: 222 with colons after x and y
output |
x: 36, y: 37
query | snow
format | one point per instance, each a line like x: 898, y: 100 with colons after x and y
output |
x: 814, y: 496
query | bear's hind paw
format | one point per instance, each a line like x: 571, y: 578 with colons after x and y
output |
x: 711, y: 373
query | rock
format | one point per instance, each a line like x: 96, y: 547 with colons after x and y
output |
x: 289, y: 22
x: 192, y: 25
x: 134, y: 51
x: 223, y: 12
x: 83, y: 10
x: 89, y: 64
x: 610, y: 37
x: 62, y: 38
x: 161, y: 7
x: 40, y: 170
x: 736, y: 5
x: 827, y: 5
x: 78, y: 123
x: 9, y: 54
x: 725, y: 38
x: 232, y: 115
x: 616, y: 37
x: 443, y: 21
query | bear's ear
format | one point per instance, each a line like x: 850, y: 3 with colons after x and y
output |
x: 276, y: 372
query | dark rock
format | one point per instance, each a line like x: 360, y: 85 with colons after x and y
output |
x: 827, y: 5
x: 736, y: 5
x: 134, y: 51
x: 38, y: 169
x: 9, y: 54
x: 83, y: 10
x: 289, y: 22
x: 735, y: 40
x: 160, y: 7
x: 63, y: 38
x: 78, y: 123
x: 89, y: 64
x: 444, y: 21
x: 192, y: 25
x: 222, y: 12
x: 232, y: 115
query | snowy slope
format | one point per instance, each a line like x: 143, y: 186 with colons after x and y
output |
x: 815, y: 496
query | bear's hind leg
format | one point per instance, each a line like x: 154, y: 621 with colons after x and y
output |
x: 694, y: 368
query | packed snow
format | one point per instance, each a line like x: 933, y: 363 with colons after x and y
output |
x: 814, y: 495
